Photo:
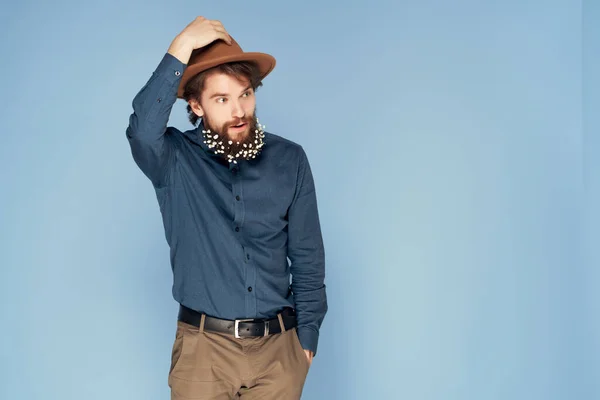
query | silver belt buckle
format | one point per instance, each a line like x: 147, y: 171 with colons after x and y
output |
x: 236, y: 329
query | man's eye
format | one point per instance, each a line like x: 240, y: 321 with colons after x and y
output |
x: 221, y: 99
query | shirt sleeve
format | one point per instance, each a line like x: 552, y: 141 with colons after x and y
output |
x: 147, y: 129
x: 307, y: 256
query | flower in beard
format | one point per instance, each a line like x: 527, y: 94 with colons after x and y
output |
x: 232, y: 149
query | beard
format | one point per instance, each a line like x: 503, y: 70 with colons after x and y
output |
x: 245, y: 145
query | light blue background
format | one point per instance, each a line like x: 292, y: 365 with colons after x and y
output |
x: 588, y: 334
x: 451, y: 143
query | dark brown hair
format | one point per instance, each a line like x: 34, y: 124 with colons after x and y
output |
x: 242, y: 70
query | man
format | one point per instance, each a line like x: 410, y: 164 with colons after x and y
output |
x: 236, y: 203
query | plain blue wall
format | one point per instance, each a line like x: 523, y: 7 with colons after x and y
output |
x: 448, y: 148
x: 588, y: 327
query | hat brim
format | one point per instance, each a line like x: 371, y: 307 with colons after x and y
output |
x: 265, y: 62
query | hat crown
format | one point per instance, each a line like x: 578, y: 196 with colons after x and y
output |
x: 215, y: 50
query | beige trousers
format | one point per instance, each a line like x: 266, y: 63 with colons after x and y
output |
x: 208, y: 365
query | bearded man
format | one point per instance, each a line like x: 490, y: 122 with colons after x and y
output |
x: 240, y: 215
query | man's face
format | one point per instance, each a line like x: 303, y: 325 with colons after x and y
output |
x: 227, y: 106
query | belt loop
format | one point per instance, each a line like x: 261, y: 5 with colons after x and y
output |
x: 280, y: 318
x: 202, y: 319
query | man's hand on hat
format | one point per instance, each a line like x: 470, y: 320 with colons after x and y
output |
x: 202, y: 31
x: 198, y: 33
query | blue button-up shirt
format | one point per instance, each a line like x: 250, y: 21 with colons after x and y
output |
x: 231, y: 228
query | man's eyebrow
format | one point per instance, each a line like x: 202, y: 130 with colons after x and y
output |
x: 218, y: 95
x: 225, y: 94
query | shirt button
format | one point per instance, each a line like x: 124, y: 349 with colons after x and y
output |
x: 249, y: 288
x: 247, y: 256
x: 177, y: 73
x: 159, y: 100
x: 237, y: 228
x: 237, y: 198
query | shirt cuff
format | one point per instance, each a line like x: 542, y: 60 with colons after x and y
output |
x: 170, y: 68
x: 309, y: 339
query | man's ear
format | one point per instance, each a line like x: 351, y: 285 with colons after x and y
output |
x: 196, y: 107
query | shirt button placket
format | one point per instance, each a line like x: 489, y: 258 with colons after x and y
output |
x: 237, y: 212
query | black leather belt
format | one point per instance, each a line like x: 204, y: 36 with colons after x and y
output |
x: 239, y: 327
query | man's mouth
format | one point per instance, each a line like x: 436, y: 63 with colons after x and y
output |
x: 239, y: 126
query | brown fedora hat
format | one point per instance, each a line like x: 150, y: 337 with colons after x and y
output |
x: 219, y: 52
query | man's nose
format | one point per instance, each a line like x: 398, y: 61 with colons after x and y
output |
x: 237, y: 111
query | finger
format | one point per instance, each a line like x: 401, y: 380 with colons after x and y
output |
x: 220, y: 28
x: 225, y: 37
x: 216, y: 23
x: 222, y: 33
